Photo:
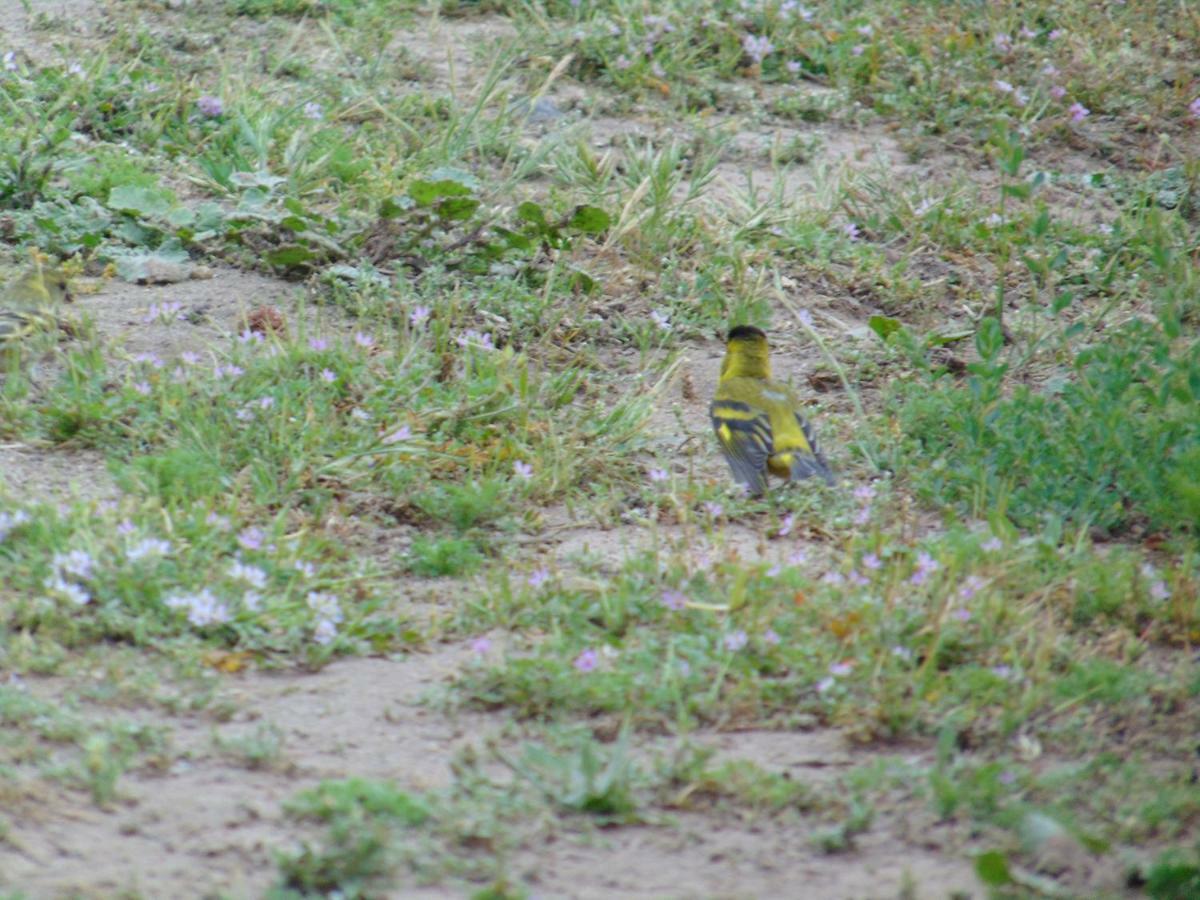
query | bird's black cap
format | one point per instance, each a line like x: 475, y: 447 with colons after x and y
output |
x: 746, y: 333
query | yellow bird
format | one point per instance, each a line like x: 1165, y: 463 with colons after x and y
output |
x: 29, y: 304
x: 756, y: 419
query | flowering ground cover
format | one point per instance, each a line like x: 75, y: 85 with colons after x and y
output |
x: 366, y: 535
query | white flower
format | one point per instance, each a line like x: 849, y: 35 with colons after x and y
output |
x: 72, y: 592
x: 148, y: 547
x: 76, y: 562
x: 252, y: 575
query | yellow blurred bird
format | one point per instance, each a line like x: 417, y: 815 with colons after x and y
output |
x: 29, y: 304
x: 756, y: 419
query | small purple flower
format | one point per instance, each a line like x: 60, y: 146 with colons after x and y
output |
x: 785, y: 527
x: 797, y: 558
x: 1002, y: 86
x: 1194, y: 108
x: 365, y: 341
x: 962, y: 614
x: 324, y: 631
x: 622, y: 62
x: 141, y: 388
x: 714, y: 510
x: 217, y: 521
x: 1027, y: 32
x: 1078, y: 112
x: 1003, y: 671
x: 403, y: 433
x: 770, y: 637
x: 481, y: 645
x: 838, y: 669
x: 824, y: 685
x: 658, y: 475
x: 857, y: 579
x: 10, y: 61
x: 266, y: 402
x: 805, y: 318
x: 864, y: 493
x: 125, y: 528
x: 419, y: 316
x: 210, y: 106
x: 872, y: 562
x: 1049, y: 70
x: 970, y: 587
x: 1058, y: 92
x: 1159, y: 591
x: 851, y: 231
x: 328, y: 376
x: 902, y: 652
x: 857, y: 50
x: 834, y: 578
x: 735, y: 641
x: 537, y: 578
x: 660, y: 319
x: 774, y: 571
x: 992, y: 544
x: 250, y: 337
x: 757, y: 47
x: 673, y: 600
x: 251, y: 538
x: 865, y: 30
x: 926, y: 566
x: 586, y: 661
x: 313, y: 110
x: 793, y: 66
x: 1007, y: 777
x: 1056, y: 34
x: 522, y: 470
x: 1002, y: 43
x: 318, y: 344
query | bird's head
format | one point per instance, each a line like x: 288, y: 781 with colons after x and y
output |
x: 746, y: 353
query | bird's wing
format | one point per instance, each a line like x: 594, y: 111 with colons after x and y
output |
x: 745, y: 436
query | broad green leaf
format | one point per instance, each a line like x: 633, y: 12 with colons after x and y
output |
x: 142, y: 201
x: 884, y: 326
x: 590, y: 220
x: 286, y: 257
x: 992, y: 868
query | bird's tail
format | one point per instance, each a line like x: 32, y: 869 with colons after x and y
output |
x: 810, y: 465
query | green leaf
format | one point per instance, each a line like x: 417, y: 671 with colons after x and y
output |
x: 513, y: 239
x: 458, y: 209
x: 532, y: 213
x: 287, y: 257
x: 142, y: 201
x: 590, y: 220
x: 884, y: 326
x: 392, y: 207
x: 426, y: 193
x: 989, y: 338
x: 992, y: 868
